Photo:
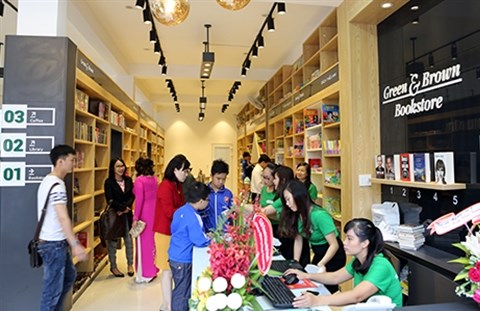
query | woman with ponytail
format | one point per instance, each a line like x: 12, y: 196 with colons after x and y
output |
x: 372, y: 273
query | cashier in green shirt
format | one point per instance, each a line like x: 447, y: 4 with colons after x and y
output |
x: 372, y: 273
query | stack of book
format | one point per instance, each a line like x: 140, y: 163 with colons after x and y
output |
x: 410, y: 237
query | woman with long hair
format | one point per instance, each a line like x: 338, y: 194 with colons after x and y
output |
x: 145, y: 187
x: 304, y: 174
x: 302, y: 219
x: 118, y: 189
x: 169, y: 198
x: 371, y: 271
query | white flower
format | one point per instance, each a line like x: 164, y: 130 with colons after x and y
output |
x: 237, y: 280
x: 211, y: 304
x: 220, y: 285
x: 234, y: 301
x: 204, y: 283
x: 472, y: 242
x: 221, y: 301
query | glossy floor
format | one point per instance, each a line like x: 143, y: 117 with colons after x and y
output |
x: 108, y: 293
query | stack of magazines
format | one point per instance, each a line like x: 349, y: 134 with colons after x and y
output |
x: 410, y: 236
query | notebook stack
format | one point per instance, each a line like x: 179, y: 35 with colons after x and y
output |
x: 410, y: 237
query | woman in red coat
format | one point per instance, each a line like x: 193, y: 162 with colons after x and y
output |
x: 169, y: 198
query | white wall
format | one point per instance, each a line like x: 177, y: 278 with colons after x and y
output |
x: 185, y: 134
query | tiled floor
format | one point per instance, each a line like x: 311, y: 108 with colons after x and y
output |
x: 108, y: 293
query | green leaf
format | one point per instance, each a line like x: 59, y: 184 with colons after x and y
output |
x: 462, y: 275
x: 462, y: 247
x: 256, y: 306
x: 461, y: 260
x: 274, y: 273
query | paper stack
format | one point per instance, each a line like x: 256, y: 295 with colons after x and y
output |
x: 410, y: 236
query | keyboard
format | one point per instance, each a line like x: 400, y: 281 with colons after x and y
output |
x: 278, y: 293
x: 284, y: 265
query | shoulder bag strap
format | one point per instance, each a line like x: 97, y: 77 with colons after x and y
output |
x: 44, y: 211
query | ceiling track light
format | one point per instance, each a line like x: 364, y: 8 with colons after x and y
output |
x: 164, y: 70
x: 140, y: 4
x: 153, y: 35
x: 203, y: 99
x: 208, y: 58
x: 2, y: 8
x: 147, y: 16
x: 453, y: 51
x: 270, y: 24
x: 162, y: 60
x: 201, y: 116
x: 173, y: 93
x: 431, y: 62
x: 259, y: 42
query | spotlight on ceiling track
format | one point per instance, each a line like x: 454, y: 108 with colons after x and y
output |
x: 203, y: 99
x: 281, y: 10
x: 208, y: 58
x: 201, y: 116
x: 453, y: 51
x: 140, y: 4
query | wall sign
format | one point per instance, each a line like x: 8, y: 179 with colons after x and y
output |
x: 41, y: 116
x: 36, y: 173
x: 419, y: 84
x: 13, y: 145
x: 14, y: 116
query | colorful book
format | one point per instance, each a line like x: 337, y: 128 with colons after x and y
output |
x: 311, y: 117
x: 380, y: 166
x: 421, y: 167
x: 330, y: 114
x: 406, y: 160
x: 390, y: 167
x: 444, y: 168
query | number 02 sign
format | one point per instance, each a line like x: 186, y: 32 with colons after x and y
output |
x: 12, y: 174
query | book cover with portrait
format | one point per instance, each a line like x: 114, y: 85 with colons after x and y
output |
x: 444, y: 168
x: 406, y: 161
x: 390, y: 167
x: 380, y: 166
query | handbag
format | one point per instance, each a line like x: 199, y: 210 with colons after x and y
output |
x: 35, y: 258
x: 137, y: 229
x: 112, y: 226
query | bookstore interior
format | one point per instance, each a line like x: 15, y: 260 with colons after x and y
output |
x: 381, y: 103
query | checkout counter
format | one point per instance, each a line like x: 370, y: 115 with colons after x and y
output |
x: 201, y: 260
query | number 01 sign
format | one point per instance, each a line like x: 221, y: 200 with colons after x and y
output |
x: 12, y: 174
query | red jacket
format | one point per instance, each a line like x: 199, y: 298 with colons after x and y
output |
x: 169, y: 198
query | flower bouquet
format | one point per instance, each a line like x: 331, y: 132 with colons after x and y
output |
x: 233, y: 273
x: 470, y: 274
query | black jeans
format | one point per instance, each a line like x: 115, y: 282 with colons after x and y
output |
x: 182, y: 278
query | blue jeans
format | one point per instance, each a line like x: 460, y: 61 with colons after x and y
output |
x: 58, y: 274
x: 182, y: 278
x: 112, y: 248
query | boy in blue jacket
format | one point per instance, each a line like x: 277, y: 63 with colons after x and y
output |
x: 220, y: 198
x: 187, y: 231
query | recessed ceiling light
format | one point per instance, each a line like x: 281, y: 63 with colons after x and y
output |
x: 414, y: 7
x: 386, y: 5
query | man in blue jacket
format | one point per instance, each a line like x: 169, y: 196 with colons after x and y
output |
x: 220, y: 198
x: 187, y: 232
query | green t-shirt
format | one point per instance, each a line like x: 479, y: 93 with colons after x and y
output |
x: 313, y: 192
x: 266, y: 199
x: 382, y: 275
x: 321, y: 226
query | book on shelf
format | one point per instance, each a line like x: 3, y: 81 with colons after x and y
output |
x: 97, y: 107
x: 421, y: 167
x: 311, y: 117
x: 82, y: 237
x: 80, y: 158
x: 314, y: 141
x: 288, y: 127
x: 406, y: 162
x: 380, y: 166
x: 390, y: 167
x: 299, y: 126
x: 315, y: 165
x: 444, y: 168
x: 332, y: 176
x: 331, y: 147
x: 330, y: 114
x: 332, y: 205
x: 298, y: 149
x: 76, y: 186
x: 81, y: 100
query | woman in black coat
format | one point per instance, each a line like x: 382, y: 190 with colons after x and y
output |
x: 119, y: 194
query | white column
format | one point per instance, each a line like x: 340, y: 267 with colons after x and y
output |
x: 42, y: 17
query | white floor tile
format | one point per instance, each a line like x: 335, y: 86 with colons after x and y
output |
x: 110, y: 293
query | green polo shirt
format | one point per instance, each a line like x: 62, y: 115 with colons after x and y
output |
x: 382, y: 275
x: 267, y: 198
x: 313, y: 192
x: 321, y: 226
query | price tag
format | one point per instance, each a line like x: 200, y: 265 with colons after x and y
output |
x: 12, y: 174
x: 13, y: 145
x: 14, y: 116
